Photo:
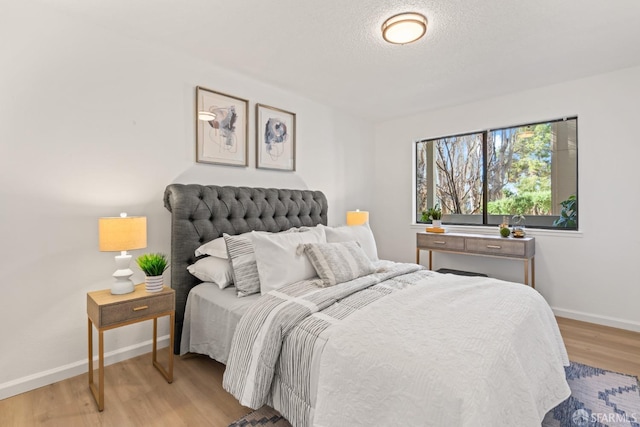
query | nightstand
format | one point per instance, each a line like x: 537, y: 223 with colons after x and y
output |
x: 106, y: 311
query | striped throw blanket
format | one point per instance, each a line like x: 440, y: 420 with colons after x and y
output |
x: 272, y: 355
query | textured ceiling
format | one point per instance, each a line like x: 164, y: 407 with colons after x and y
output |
x: 332, y: 51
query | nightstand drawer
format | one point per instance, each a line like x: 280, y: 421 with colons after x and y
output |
x: 130, y: 310
x: 502, y: 247
x: 440, y: 242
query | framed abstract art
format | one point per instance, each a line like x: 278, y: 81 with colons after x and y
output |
x: 275, y: 138
x: 222, y: 126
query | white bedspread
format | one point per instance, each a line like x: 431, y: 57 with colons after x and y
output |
x: 475, y: 352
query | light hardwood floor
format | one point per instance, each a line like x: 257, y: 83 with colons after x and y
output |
x: 137, y: 395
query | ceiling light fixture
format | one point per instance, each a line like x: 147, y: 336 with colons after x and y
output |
x: 404, y: 28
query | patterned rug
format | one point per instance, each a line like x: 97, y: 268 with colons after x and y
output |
x: 598, y: 398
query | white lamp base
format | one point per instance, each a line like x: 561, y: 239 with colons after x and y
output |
x: 123, y: 284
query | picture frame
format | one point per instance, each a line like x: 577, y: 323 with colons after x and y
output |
x: 275, y: 138
x: 222, y: 128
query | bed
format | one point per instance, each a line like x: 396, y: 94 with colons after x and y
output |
x: 364, y: 341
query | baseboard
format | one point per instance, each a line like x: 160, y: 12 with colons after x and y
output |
x: 597, y: 319
x: 41, y: 379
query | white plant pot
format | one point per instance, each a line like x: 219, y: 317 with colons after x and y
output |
x: 153, y: 283
x: 436, y: 223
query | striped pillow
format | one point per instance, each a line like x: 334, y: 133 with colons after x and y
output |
x: 243, y: 262
x: 338, y: 262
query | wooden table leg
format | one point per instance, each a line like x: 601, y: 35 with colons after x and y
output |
x: 101, y: 370
x: 90, y: 340
x: 417, y: 255
x: 430, y: 260
x: 166, y: 373
x: 533, y: 272
x: 96, y: 391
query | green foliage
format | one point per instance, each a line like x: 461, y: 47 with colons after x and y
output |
x: 152, y: 264
x: 568, y: 214
x: 530, y: 203
x: 431, y: 214
x: 435, y: 212
x: 504, y: 232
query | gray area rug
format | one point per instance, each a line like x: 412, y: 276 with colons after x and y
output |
x: 598, y: 398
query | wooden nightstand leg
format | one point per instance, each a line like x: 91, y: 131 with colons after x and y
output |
x: 167, y: 374
x: 97, y: 392
x: 101, y: 370
x: 90, y: 340
x: 430, y: 260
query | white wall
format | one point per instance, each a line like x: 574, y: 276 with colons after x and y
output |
x: 92, y: 124
x: 591, y: 275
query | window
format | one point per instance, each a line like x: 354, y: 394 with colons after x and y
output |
x: 478, y: 178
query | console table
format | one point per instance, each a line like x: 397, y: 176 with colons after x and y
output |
x: 478, y: 244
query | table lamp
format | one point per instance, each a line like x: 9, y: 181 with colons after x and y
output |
x: 122, y: 234
x: 357, y: 217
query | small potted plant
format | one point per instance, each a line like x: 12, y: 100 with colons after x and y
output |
x: 435, y: 213
x: 153, y: 266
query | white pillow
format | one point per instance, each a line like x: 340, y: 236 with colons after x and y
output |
x: 212, y: 269
x: 216, y: 247
x: 359, y: 233
x: 279, y: 261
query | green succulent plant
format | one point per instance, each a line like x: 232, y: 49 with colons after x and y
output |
x: 153, y: 264
x: 435, y: 212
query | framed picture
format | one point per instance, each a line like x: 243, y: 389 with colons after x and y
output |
x: 275, y: 138
x: 222, y: 125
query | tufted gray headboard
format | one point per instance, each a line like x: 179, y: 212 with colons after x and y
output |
x: 200, y: 213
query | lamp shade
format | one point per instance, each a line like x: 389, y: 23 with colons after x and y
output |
x: 122, y: 233
x: 357, y: 217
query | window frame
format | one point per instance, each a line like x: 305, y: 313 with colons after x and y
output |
x: 484, y: 171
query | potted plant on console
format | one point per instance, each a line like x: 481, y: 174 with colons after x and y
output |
x: 153, y: 266
x: 435, y: 213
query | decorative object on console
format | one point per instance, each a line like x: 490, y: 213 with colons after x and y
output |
x: 221, y: 128
x: 357, y: 217
x: 504, y: 227
x: 153, y: 266
x: 435, y: 230
x: 404, y: 28
x: 435, y: 215
x: 518, y: 226
x: 122, y: 234
x: 275, y: 138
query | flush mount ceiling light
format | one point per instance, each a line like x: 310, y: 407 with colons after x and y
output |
x: 404, y: 28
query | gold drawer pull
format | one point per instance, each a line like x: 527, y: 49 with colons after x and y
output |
x: 494, y: 246
x: 142, y: 307
x: 439, y: 242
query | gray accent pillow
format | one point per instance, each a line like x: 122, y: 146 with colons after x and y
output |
x: 243, y: 264
x: 338, y: 262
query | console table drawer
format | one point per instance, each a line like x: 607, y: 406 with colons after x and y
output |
x: 440, y: 242
x: 504, y: 247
